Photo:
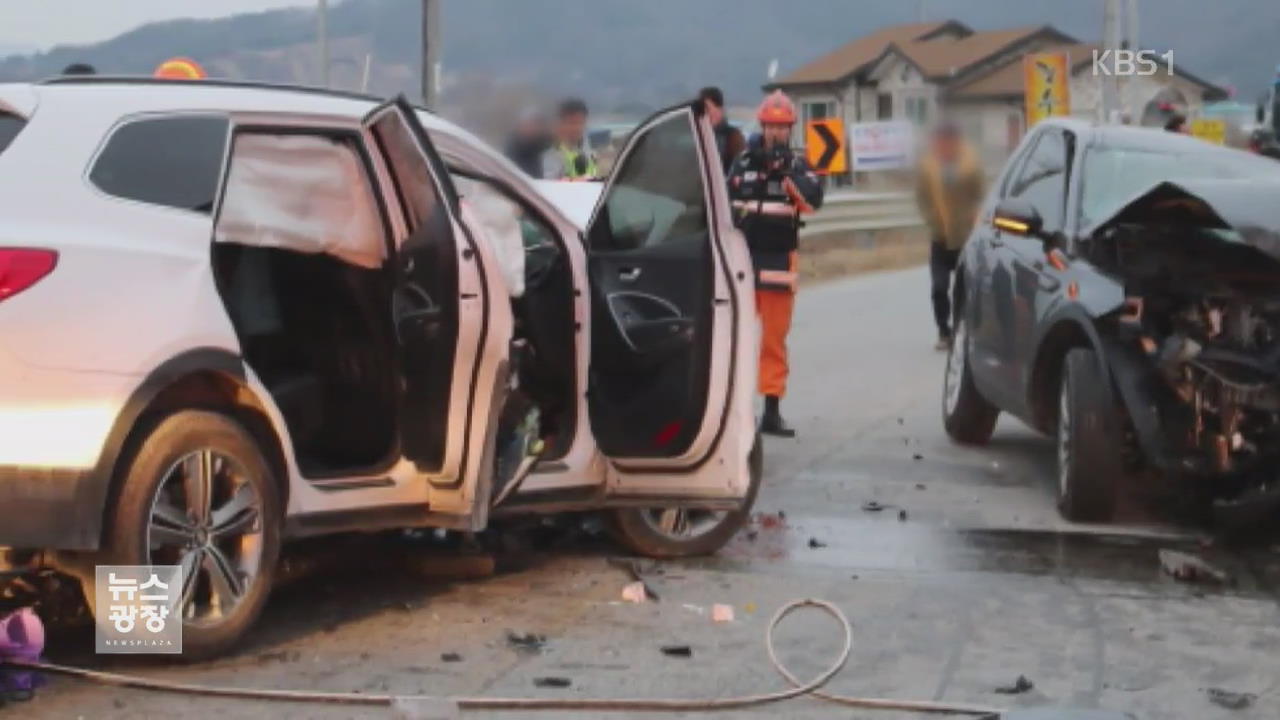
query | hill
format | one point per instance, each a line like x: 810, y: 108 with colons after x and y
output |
x: 625, y: 55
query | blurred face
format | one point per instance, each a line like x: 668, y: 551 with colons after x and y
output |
x: 573, y: 127
x: 776, y: 135
x: 946, y: 145
x: 533, y: 127
x: 715, y: 113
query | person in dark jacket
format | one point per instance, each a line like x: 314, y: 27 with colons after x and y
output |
x: 729, y: 139
x: 530, y: 140
x: 771, y: 187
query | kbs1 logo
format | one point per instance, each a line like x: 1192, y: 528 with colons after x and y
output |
x: 1122, y: 63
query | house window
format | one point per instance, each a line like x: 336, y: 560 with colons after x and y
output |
x: 917, y: 110
x: 818, y: 110
x: 884, y: 106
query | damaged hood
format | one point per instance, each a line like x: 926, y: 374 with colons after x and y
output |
x: 1249, y: 207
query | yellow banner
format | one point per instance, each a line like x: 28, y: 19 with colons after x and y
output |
x: 1047, y: 77
x: 1213, y: 130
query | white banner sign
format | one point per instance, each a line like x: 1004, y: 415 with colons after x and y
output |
x: 881, y: 145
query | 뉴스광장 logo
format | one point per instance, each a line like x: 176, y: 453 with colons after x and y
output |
x: 138, y: 609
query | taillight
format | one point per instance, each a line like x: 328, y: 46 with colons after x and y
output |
x: 20, y: 268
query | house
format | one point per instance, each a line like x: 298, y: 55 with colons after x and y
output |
x: 917, y: 70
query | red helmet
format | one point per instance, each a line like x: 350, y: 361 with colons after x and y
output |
x: 777, y: 109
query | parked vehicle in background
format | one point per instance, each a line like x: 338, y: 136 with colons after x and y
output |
x: 237, y: 314
x: 1122, y: 292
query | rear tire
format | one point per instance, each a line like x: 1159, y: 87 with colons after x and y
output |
x: 967, y: 416
x: 233, y: 549
x: 1090, y: 442
x: 640, y: 530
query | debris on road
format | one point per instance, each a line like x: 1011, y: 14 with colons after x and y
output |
x: 917, y: 456
x: 677, y: 651
x: 552, y: 682
x: 872, y: 506
x: 722, y: 613
x: 1019, y: 686
x: 769, y: 521
x: 634, y: 592
x: 528, y: 642
x: 921, y: 486
x: 1230, y: 699
x: 632, y: 568
x: 450, y: 657
x: 902, y: 515
x: 816, y: 543
x: 1189, y: 568
x: 752, y: 535
x: 749, y: 608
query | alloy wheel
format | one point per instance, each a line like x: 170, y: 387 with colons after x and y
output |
x: 1064, y: 441
x: 683, y: 523
x: 206, y: 517
x: 955, y: 369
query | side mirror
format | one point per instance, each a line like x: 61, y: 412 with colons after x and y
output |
x: 1017, y: 216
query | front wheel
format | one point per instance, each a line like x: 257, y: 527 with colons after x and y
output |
x: 199, y: 494
x: 967, y: 416
x: 1090, y: 440
x: 665, y: 533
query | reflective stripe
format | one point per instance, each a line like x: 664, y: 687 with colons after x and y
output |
x: 569, y: 156
x: 768, y: 207
x: 783, y: 278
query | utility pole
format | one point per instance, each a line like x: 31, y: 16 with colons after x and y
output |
x: 322, y: 40
x: 430, y: 52
x: 1119, y: 32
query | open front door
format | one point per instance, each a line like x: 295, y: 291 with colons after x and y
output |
x: 672, y: 334
x: 440, y: 311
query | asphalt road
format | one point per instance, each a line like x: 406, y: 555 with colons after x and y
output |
x: 966, y: 580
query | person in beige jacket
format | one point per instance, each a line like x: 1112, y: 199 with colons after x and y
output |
x: 949, y: 190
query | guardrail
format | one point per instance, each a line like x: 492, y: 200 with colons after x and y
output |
x: 851, y: 211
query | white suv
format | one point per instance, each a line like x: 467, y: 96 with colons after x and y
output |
x: 234, y: 314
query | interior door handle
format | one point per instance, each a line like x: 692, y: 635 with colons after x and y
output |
x: 630, y: 274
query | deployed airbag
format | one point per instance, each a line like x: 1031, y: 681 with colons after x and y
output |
x: 301, y: 193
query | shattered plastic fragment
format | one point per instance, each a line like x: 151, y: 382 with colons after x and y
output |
x: 634, y: 592
x: 722, y: 613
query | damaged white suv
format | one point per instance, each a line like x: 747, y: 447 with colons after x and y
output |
x: 235, y: 314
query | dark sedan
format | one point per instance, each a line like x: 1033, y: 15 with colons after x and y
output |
x: 1122, y: 292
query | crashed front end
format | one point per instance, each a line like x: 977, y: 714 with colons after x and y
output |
x: 1195, y: 347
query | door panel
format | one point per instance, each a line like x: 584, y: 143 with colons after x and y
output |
x: 666, y: 316
x: 439, y: 312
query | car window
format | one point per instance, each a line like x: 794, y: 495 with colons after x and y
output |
x: 1042, y: 180
x: 10, y: 126
x: 526, y: 244
x: 305, y: 193
x: 171, y: 161
x: 657, y: 196
x: 1113, y: 175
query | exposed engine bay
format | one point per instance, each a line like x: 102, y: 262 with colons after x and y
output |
x: 1202, y: 307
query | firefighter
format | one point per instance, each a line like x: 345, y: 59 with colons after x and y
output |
x: 771, y: 187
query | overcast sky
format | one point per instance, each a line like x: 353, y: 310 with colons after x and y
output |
x: 45, y: 23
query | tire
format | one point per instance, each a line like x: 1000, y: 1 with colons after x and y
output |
x: 640, y: 529
x: 1089, y: 441
x: 967, y: 416
x: 241, y: 532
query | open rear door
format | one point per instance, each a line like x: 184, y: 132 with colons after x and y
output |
x: 672, y: 333
x: 440, y: 310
